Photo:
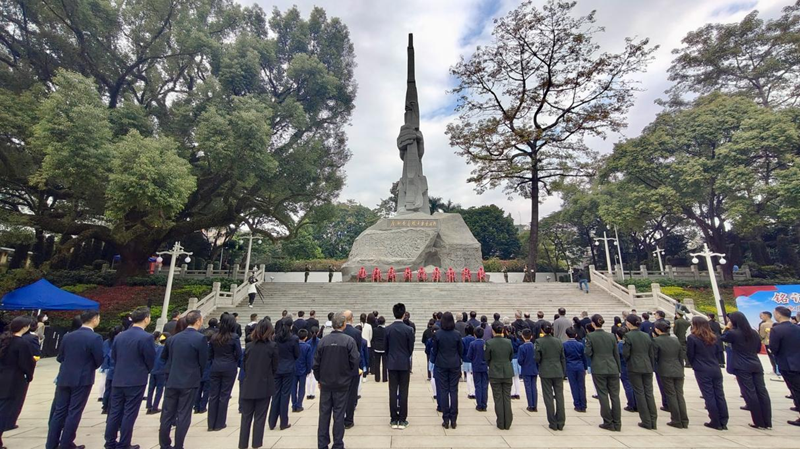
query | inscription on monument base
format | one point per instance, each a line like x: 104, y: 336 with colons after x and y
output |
x: 417, y: 223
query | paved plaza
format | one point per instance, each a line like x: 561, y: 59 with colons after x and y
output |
x: 475, y: 429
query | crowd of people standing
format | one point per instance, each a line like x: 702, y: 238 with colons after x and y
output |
x: 195, y: 364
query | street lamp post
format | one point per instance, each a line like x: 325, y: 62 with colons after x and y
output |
x: 605, y: 240
x: 176, y: 252
x: 658, y: 252
x: 247, y: 259
x: 708, y: 255
x: 619, y: 251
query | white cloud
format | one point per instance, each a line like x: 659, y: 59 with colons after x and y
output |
x: 443, y: 31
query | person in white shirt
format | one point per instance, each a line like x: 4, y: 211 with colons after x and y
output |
x: 366, y: 334
x: 252, y: 289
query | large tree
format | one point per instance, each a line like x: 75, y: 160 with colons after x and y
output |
x: 140, y: 122
x: 529, y: 98
x: 494, y: 229
x: 335, y: 236
x: 720, y: 162
x: 753, y: 57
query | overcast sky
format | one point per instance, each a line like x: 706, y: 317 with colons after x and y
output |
x: 443, y: 31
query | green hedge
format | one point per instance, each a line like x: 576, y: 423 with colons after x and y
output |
x: 643, y: 285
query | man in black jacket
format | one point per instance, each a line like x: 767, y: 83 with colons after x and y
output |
x: 378, y: 362
x: 537, y: 327
x: 300, y: 322
x: 312, y: 321
x: 185, y: 355
x: 334, y: 362
x: 399, y: 345
x: 531, y: 324
x: 519, y: 324
x: 352, y: 396
x: 784, y: 338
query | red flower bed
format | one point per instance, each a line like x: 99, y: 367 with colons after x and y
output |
x: 115, y: 301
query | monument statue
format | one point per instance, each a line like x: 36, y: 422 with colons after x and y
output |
x: 413, y: 188
x: 413, y: 239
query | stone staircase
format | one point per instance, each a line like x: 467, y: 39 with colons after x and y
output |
x: 423, y: 299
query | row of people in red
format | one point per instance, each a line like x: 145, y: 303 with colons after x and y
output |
x: 422, y: 275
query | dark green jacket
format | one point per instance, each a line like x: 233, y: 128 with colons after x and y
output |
x: 637, y: 350
x: 549, y: 354
x: 669, y: 356
x: 680, y: 327
x: 601, y: 348
x: 498, y: 355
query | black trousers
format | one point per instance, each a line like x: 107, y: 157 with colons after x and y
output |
x: 645, y: 401
x: 122, y: 413
x: 553, y: 389
x: 331, y: 403
x: 398, y: 395
x: 756, y: 397
x: 280, y: 400
x: 254, y: 412
x: 792, y: 379
x: 219, y: 396
x: 607, y: 386
x: 378, y: 365
x: 352, y: 401
x: 177, y: 410
x: 65, y: 416
x: 447, y: 392
x: 714, y: 396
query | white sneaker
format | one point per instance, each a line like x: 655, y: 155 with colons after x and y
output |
x: 250, y: 305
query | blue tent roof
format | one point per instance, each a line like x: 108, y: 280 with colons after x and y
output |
x: 45, y: 296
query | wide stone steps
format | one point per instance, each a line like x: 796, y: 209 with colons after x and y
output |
x: 423, y: 299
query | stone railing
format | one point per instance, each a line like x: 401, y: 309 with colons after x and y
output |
x: 183, y: 271
x: 692, y: 273
x: 218, y: 298
x: 642, y: 301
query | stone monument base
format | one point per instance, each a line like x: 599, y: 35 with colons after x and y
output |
x: 415, y: 240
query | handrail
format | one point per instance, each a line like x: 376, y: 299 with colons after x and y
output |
x: 629, y: 295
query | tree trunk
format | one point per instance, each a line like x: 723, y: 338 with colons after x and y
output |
x: 134, y: 256
x: 533, y: 244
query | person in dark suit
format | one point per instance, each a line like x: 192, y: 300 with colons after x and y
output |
x: 288, y: 353
x: 585, y: 320
x: 498, y: 353
x: 134, y: 354
x: 173, y: 321
x: 398, y: 343
x: 186, y: 354
x: 80, y: 354
x: 34, y: 341
x: 552, y: 369
x: 529, y: 322
x: 529, y: 370
x: 647, y: 326
x: 519, y: 324
x: 701, y: 352
x: 784, y: 339
x: 638, y: 352
x: 446, y: 359
x: 473, y: 319
x: 669, y: 358
x: 225, y: 349
x: 540, y: 321
x: 258, y: 385
x: 717, y: 329
x: 378, y: 362
x: 312, y: 322
x: 300, y: 322
x: 16, y: 371
x: 745, y: 347
x: 334, y: 363
x: 349, y: 413
x: 601, y: 349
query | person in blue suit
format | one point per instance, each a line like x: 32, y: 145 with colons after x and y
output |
x: 107, y: 367
x: 576, y: 369
x: 466, y: 366
x: 480, y: 370
x: 203, y: 392
x: 158, y: 376
x: 80, y: 354
x: 398, y: 342
x: 630, y: 397
x: 302, y: 367
x: 134, y: 353
x: 784, y: 339
x: 529, y: 369
x: 186, y: 354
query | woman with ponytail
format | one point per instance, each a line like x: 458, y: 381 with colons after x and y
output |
x: 16, y: 371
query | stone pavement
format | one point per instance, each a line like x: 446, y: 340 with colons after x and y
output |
x: 474, y: 430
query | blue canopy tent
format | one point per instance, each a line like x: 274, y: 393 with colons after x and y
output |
x: 42, y: 295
